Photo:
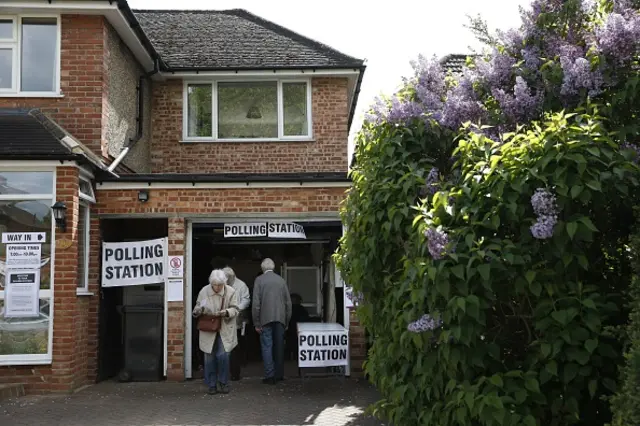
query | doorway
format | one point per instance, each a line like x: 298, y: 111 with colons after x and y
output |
x: 114, y: 300
x: 306, y: 265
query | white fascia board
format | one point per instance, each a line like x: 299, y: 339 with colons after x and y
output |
x: 35, y: 164
x: 346, y: 72
x: 106, y: 186
x: 102, y: 7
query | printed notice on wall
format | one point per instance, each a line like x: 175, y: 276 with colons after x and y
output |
x: 24, y: 256
x: 175, y: 290
x: 176, y: 266
x: 323, y: 349
x: 22, y: 291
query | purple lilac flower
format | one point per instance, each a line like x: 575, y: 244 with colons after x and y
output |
x: 462, y: 103
x: 496, y: 72
x: 543, y: 228
x: 545, y: 207
x: 403, y: 111
x: 357, y: 297
x: 377, y: 112
x: 429, y: 83
x: 578, y: 74
x: 618, y: 37
x: 425, y: 323
x: 531, y: 56
x: 543, y: 202
x: 511, y: 39
x: 437, y: 242
x: 520, y: 107
x: 431, y: 184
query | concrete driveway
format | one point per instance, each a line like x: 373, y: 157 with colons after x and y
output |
x: 316, y: 401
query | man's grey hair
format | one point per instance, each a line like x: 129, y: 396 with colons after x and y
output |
x: 231, y: 275
x: 267, y: 265
x: 217, y: 277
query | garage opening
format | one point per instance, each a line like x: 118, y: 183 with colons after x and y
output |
x: 306, y: 265
x: 130, y: 330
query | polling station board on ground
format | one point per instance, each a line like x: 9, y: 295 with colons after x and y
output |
x: 322, y: 345
x: 22, y: 273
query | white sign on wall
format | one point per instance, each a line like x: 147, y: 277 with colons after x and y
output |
x: 24, y: 237
x: 176, y: 266
x: 134, y: 263
x: 285, y: 230
x: 323, y: 348
x: 24, y: 256
x: 22, y: 293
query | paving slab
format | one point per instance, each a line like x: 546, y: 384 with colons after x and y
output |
x: 315, y: 401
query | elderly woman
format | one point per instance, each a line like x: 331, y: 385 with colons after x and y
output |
x: 217, y: 301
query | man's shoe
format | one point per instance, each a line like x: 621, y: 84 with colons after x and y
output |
x: 224, y: 388
x: 213, y: 390
x: 269, y: 381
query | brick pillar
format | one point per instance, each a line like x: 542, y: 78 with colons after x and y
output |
x: 63, y: 377
x: 357, y: 340
x: 94, y: 302
x: 176, y: 315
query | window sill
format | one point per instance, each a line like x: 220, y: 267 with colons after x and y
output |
x: 31, y: 95
x: 292, y: 140
x: 83, y: 292
x: 9, y: 362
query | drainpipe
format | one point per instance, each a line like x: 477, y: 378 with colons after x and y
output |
x: 139, y: 118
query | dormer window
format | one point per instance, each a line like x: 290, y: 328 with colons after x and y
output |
x: 29, y: 55
x: 247, y: 111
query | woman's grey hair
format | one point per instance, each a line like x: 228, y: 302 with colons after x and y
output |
x: 217, y: 277
x: 231, y: 275
x: 267, y: 265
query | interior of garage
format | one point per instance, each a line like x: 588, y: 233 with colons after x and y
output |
x: 305, y: 264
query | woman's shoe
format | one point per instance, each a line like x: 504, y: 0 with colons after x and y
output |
x: 223, y: 388
x: 213, y: 390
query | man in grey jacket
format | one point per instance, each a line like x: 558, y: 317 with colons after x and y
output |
x: 271, y: 313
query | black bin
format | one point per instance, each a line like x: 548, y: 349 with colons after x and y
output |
x: 143, y: 344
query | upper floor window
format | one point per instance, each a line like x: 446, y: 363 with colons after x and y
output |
x: 252, y: 110
x: 29, y: 55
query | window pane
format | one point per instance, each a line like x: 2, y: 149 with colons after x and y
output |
x: 82, y: 244
x: 25, y: 336
x: 6, y: 29
x: 6, y: 68
x: 39, y: 45
x: 27, y: 216
x: 86, y: 189
x: 16, y: 183
x: 199, y: 114
x: 295, y: 109
x: 248, y: 110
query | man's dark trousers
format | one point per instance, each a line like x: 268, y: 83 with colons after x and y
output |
x: 238, y: 355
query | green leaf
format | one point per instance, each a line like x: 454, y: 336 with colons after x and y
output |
x: 595, y: 185
x: 570, y: 372
x: 520, y: 396
x: 572, y: 227
x: 530, y: 421
x: 462, y: 304
x: 560, y: 316
x: 432, y: 273
x: 458, y: 271
x: 589, y: 224
x: 484, y: 271
x: 552, y: 367
x: 532, y: 385
x: 530, y: 275
x: 469, y: 398
x: 545, y: 349
x: 589, y: 303
x: 535, y: 288
x: 576, y: 190
x: 496, y: 381
x: 591, y: 345
x: 593, y: 385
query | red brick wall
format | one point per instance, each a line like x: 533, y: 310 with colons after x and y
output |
x: 198, y: 202
x: 357, y: 340
x: 70, y: 312
x: 79, y: 111
x: 327, y: 153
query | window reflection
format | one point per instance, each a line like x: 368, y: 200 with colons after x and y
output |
x: 25, y: 335
x: 39, y: 47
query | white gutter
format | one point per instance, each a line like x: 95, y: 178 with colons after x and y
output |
x: 346, y: 72
x: 118, y: 185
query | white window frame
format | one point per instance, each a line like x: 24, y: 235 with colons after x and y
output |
x: 16, y: 44
x: 36, y: 359
x: 86, y: 200
x: 214, y: 108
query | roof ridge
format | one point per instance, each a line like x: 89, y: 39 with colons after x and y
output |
x: 270, y: 25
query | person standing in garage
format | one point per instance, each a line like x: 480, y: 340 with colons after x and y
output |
x: 244, y: 300
x: 271, y: 314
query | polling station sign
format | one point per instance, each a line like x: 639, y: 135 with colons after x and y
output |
x: 284, y: 230
x: 134, y: 263
x: 323, y: 349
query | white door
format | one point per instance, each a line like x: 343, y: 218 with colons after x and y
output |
x: 305, y: 281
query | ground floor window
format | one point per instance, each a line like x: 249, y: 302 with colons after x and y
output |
x: 26, y: 198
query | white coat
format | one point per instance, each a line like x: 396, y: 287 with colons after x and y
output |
x: 211, y: 302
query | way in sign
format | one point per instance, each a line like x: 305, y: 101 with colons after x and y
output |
x: 23, y: 237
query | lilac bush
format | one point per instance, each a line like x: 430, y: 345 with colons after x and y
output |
x: 425, y: 323
x: 437, y: 242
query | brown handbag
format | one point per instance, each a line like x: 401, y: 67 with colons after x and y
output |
x: 209, y: 323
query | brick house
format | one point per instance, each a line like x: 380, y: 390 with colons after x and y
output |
x: 161, y: 124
